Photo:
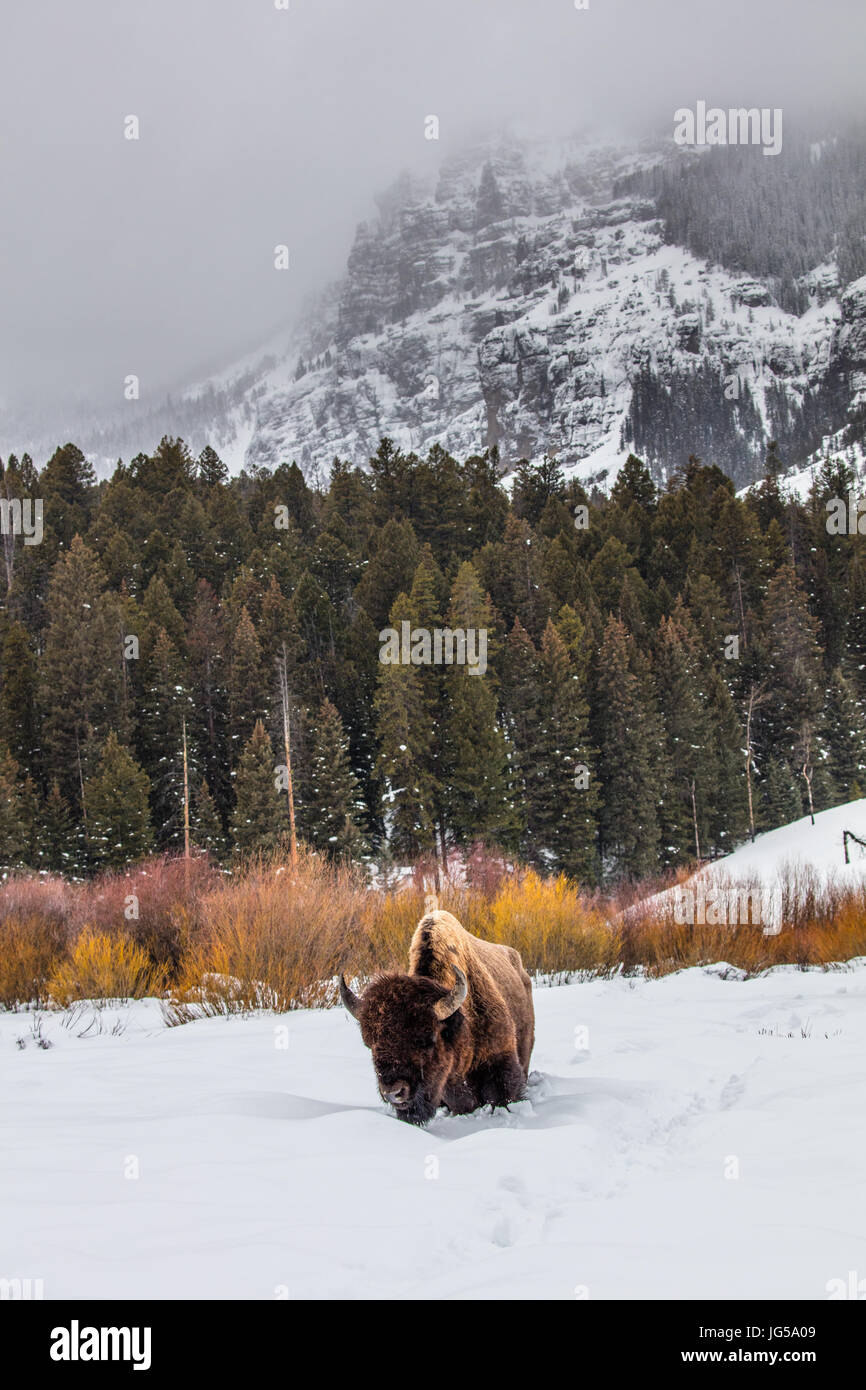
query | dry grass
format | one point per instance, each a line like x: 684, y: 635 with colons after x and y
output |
x: 263, y: 938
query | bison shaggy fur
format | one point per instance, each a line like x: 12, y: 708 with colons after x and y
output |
x: 456, y: 1031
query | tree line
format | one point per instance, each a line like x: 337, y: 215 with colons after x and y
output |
x: 668, y: 669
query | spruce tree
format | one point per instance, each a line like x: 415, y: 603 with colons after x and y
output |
x: 780, y: 798
x: 206, y: 830
x: 57, y: 840
x: 563, y: 790
x: 842, y: 730
x: 18, y: 698
x: 16, y: 826
x: 258, y: 822
x: 629, y: 730
x: 331, y: 808
x: 404, y: 733
x: 248, y: 684
x: 81, y: 675
x: 117, y: 806
x: 474, y: 748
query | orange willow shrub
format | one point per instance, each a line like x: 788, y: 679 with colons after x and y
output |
x: 264, y: 937
x: 30, y: 948
x: 270, y: 939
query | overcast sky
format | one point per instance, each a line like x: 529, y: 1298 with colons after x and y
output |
x: 261, y: 126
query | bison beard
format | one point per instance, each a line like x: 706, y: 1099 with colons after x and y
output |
x: 456, y: 1031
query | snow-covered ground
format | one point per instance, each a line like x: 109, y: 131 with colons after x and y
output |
x: 695, y: 1136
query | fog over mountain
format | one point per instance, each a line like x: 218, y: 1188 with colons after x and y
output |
x: 260, y: 127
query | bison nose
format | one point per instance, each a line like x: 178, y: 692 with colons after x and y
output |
x: 399, y: 1094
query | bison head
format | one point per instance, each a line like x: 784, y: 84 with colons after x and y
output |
x: 410, y: 1025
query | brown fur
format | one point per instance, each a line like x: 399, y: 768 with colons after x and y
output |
x: 477, y: 1056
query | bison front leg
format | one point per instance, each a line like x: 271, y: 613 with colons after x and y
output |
x: 499, y: 1080
x: 459, y: 1097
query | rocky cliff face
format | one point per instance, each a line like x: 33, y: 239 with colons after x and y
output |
x: 518, y: 302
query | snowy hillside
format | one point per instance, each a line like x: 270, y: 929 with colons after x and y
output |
x: 791, y: 859
x: 530, y: 297
x: 819, y: 846
x: 520, y: 303
x: 696, y: 1140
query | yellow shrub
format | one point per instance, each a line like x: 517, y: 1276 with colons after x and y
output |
x: 555, y: 929
x: 103, y: 966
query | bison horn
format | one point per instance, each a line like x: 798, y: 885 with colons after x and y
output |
x: 350, y: 1000
x: 452, y: 1001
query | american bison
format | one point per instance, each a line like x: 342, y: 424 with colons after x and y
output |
x: 456, y: 1031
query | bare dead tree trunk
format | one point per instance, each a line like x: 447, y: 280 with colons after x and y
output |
x: 740, y: 604
x: 755, y: 700
x: 185, y: 809
x: 81, y: 784
x: 8, y: 543
x: 807, y: 771
x: 695, y: 822
x: 283, y: 668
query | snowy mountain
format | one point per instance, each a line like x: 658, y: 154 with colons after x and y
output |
x: 526, y: 301
x: 534, y: 298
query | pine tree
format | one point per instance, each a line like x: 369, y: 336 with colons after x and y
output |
x: 258, y: 822
x: 18, y: 696
x: 16, y: 826
x: 81, y: 676
x: 57, y: 841
x: 780, y: 800
x: 166, y: 703
x: 726, y: 805
x: 211, y: 469
x: 474, y: 748
x: 489, y: 205
x: 842, y: 729
x: 793, y: 665
x: 629, y: 731
x: 331, y: 809
x: 389, y: 571
x: 118, y: 811
x: 248, y: 683
x: 68, y: 486
x: 689, y: 790
x: 404, y: 733
x: 208, y: 676
x: 206, y: 830
x: 564, y: 792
